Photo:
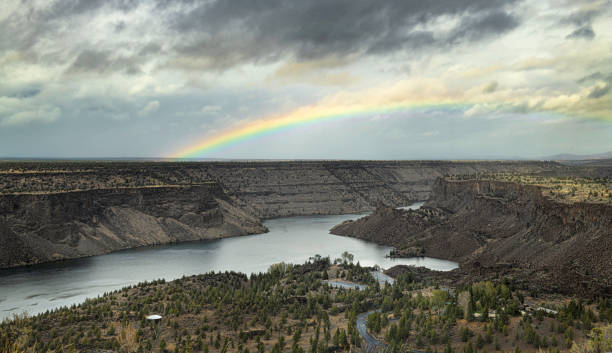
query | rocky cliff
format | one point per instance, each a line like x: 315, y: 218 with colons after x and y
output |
x: 55, y: 210
x: 499, y: 228
x: 278, y: 189
x: 268, y: 189
x: 37, y: 228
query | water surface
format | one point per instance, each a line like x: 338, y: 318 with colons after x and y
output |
x: 38, y: 288
x: 414, y: 206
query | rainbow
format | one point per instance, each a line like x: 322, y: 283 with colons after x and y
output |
x: 301, y: 117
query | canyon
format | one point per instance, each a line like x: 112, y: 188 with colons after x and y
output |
x: 498, y: 229
x: 53, y: 210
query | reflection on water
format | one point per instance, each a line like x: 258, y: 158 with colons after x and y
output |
x: 414, y: 206
x: 38, y: 288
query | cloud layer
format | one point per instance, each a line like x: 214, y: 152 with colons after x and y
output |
x: 226, y: 33
x: 153, y: 76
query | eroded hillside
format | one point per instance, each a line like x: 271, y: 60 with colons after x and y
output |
x: 502, y: 228
x: 38, y: 228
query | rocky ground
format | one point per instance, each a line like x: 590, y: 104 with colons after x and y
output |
x: 497, y: 229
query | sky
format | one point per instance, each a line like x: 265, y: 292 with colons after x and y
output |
x: 307, y: 79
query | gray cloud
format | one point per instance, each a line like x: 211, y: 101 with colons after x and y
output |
x: 120, y: 26
x: 224, y: 33
x: 585, y: 32
x: 480, y: 26
x: 91, y: 60
x: 491, y: 87
x: 580, y: 18
x: 68, y: 8
x: 150, y: 49
x: 65, y: 89
x: 595, y: 77
x: 26, y: 93
x: 24, y: 28
x: 599, y: 92
x: 592, y: 77
x: 103, y: 62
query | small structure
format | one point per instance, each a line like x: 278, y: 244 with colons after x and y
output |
x: 548, y: 311
x: 155, y: 320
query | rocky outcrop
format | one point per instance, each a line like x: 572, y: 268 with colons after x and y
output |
x: 387, y: 225
x: 37, y: 228
x: 555, y: 246
x: 498, y: 228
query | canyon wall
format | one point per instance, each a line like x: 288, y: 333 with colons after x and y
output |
x: 268, y: 189
x: 57, y: 210
x: 277, y: 189
x: 498, y: 228
x: 38, y: 228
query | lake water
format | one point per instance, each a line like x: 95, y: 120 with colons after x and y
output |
x: 414, y: 206
x: 294, y: 239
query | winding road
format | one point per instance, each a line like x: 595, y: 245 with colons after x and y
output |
x: 346, y: 285
x: 369, y: 340
x: 383, y: 279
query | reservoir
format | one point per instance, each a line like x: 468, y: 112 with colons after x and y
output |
x: 42, y: 287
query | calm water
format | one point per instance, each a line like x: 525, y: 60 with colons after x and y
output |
x: 414, y: 206
x: 295, y: 239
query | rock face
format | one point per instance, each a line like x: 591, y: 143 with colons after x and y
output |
x: 57, y: 210
x: 395, y: 227
x: 37, y: 228
x: 268, y: 189
x: 279, y: 189
x: 497, y: 228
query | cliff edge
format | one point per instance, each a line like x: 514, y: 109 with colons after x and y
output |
x: 65, y: 209
x: 495, y: 228
x: 37, y: 228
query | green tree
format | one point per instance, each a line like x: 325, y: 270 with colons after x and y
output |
x: 348, y: 257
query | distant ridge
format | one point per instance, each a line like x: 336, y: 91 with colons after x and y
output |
x: 577, y: 157
x: 512, y: 158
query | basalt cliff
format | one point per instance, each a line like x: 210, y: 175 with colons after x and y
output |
x: 38, y: 228
x: 59, y: 210
x: 496, y: 229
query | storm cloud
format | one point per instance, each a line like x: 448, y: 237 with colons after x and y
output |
x: 583, y: 20
x: 223, y: 34
x: 226, y: 33
x: 145, y: 77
